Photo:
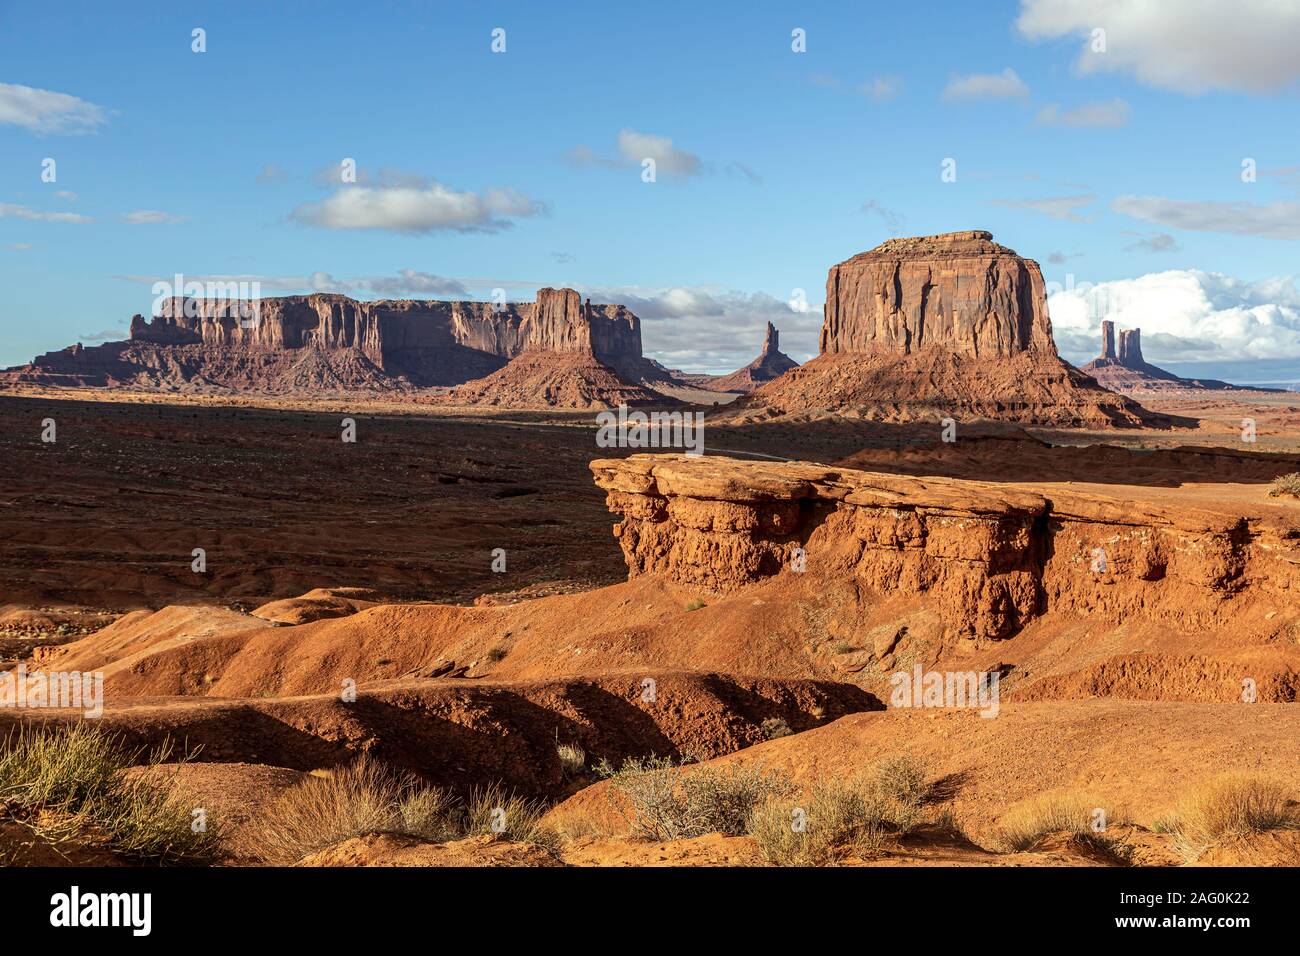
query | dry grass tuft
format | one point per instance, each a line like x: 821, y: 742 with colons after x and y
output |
x: 362, y: 797
x: 671, y: 803
x: 1079, y: 815
x: 1286, y: 485
x: 1230, y: 806
x: 71, y: 782
x: 837, y: 820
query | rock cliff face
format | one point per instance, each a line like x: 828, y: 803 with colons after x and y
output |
x: 771, y: 364
x: 995, y: 558
x: 937, y: 326
x: 960, y: 290
x: 330, y: 341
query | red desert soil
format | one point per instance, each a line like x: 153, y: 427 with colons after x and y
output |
x: 1126, y: 682
x: 1133, y: 755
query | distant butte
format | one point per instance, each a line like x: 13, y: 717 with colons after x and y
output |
x: 933, y: 326
x: 327, y: 343
x: 771, y: 364
x: 1125, y: 370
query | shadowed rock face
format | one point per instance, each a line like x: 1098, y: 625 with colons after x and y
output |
x: 958, y: 290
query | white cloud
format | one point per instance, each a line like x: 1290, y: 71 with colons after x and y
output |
x: 1057, y: 207
x: 1279, y: 220
x: 1189, y: 46
x: 705, y: 329
x: 66, y: 195
x: 418, y: 209
x: 150, y: 217
x: 412, y: 283
x: 637, y: 147
x: 881, y: 88
x: 19, y: 246
x: 44, y: 111
x: 986, y: 86
x: 14, y: 211
x: 1185, y: 316
x: 1156, y: 242
x: 1112, y: 114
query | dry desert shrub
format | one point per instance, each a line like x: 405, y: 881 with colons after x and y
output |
x: 836, y: 820
x: 1073, y: 813
x: 573, y: 759
x: 73, y: 781
x: 1230, y: 806
x: 670, y: 803
x: 1286, y: 485
x: 362, y: 797
x: 493, y: 811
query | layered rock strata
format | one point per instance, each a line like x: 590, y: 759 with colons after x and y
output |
x: 993, y: 558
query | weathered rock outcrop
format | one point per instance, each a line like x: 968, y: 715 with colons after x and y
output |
x: 771, y: 364
x: 936, y: 326
x: 995, y: 558
x: 330, y: 341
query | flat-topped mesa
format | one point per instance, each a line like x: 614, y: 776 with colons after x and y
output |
x: 959, y: 290
x: 332, y: 341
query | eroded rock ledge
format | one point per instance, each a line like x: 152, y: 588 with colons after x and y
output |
x: 996, y: 557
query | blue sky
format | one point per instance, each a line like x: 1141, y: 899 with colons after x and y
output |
x: 511, y: 170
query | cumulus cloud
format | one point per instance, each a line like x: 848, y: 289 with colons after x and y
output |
x: 1111, y: 114
x: 986, y: 86
x: 411, y: 282
x: 150, y: 217
x: 634, y: 148
x: 1189, y: 46
x: 705, y: 329
x: 1156, y: 242
x: 44, y: 111
x: 1279, y: 220
x: 881, y: 88
x: 15, y: 211
x: 637, y: 147
x: 1057, y: 207
x: 415, y: 209
x: 1185, y: 316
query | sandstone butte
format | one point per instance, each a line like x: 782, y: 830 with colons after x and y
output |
x: 1123, y: 369
x: 771, y: 364
x: 952, y: 324
x: 329, y: 342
